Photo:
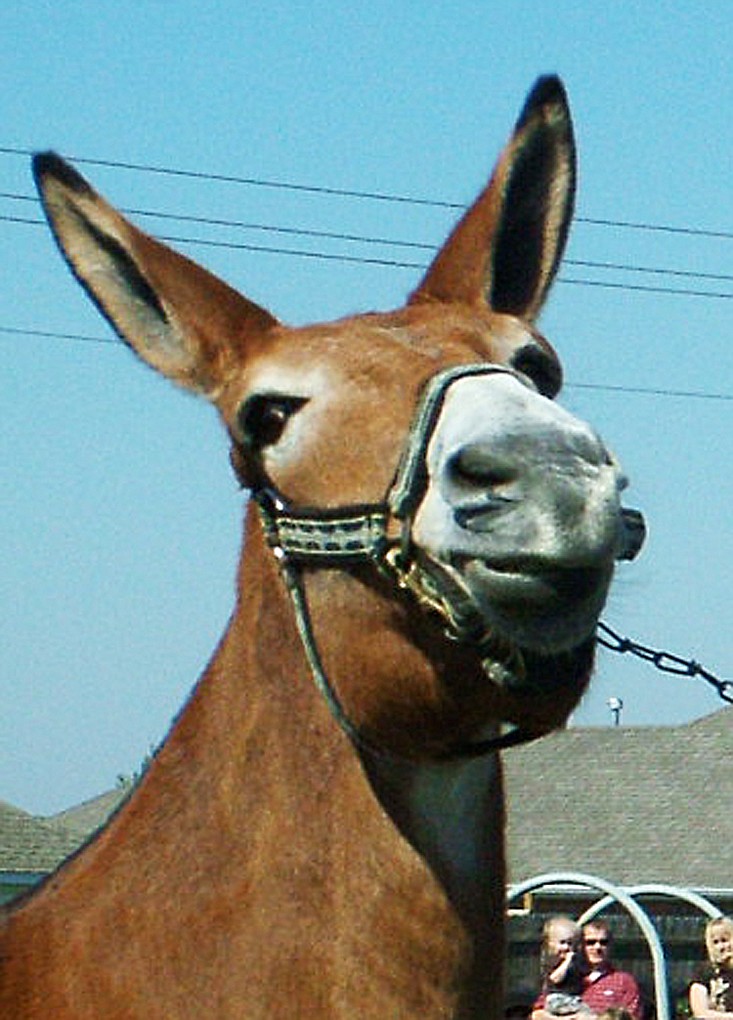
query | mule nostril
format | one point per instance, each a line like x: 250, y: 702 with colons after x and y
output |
x: 478, y: 466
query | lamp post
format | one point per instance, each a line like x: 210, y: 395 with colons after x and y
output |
x: 616, y: 705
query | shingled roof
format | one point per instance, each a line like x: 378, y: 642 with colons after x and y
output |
x: 646, y: 804
x: 85, y: 818
x: 31, y: 845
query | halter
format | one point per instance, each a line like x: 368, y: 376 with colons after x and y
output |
x: 380, y: 534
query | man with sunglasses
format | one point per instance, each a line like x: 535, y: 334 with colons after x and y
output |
x: 604, y: 986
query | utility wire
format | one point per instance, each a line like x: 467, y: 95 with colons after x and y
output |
x: 647, y: 289
x: 375, y: 196
x: 355, y: 238
x: 401, y: 264
x: 641, y: 390
x: 47, y: 334
x: 237, y: 224
x: 651, y: 391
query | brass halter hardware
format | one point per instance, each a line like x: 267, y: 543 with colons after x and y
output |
x: 431, y: 589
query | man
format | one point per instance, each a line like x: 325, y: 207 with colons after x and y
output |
x: 604, y: 986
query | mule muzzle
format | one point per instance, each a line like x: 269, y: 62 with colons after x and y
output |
x: 383, y: 534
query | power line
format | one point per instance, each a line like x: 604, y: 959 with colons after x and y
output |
x: 651, y: 391
x: 721, y: 235
x: 239, y: 225
x: 402, y: 264
x: 646, y: 289
x: 47, y: 334
x: 356, y: 238
x: 259, y: 182
x: 640, y: 390
x: 374, y: 196
x: 21, y: 219
x: 657, y: 271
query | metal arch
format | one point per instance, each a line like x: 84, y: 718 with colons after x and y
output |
x: 703, y: 904
x: 618, y: 893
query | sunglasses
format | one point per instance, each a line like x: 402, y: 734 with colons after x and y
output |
x: 595, y: 942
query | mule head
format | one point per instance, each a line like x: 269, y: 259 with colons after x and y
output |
x: 510, y: 518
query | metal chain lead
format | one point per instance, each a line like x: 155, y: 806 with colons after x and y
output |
x: 666, y: 662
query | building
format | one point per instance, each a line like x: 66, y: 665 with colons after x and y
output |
x: 29, y: 848
x: 32, y: 847
x: 630, y: 805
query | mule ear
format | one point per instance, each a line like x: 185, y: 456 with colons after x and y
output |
x: 507, y: 248
x: 176, y: 316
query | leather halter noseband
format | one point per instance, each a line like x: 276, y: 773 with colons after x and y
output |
x: 381, y: 534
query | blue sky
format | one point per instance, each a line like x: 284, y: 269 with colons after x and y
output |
x: 119, y: 519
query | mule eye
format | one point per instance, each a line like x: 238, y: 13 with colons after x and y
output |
x: 262, y: 418
x: 540, y: 367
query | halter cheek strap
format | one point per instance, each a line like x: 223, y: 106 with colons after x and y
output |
x: 361, y: 531
x: 294, y: 582
x: 381, y: 533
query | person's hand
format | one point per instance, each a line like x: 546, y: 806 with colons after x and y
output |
x: 563, y: 966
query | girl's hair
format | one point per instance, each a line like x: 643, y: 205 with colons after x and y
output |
x: 548, y: 958
x: 714, y: 925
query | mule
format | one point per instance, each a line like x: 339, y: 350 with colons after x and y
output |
x: 429, y: 541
